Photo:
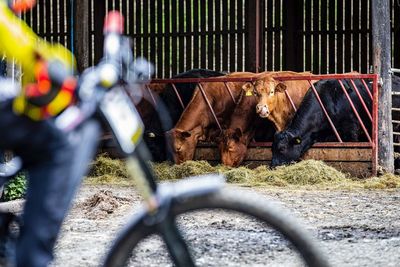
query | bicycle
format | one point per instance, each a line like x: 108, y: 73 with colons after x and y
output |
x: 104, y: 90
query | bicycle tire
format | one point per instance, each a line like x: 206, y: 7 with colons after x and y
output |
x: 228, y: 200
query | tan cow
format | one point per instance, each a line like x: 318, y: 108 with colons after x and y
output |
x: 273, y: 103
x: 197, y: 122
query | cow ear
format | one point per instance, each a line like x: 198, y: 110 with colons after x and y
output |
x: 280, y: 87
x: 248, y: 89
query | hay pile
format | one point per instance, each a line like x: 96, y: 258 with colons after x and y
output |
x: 303, y: 174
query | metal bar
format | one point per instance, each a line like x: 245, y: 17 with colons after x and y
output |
x: 282, y: 78
x: 321, y: 145
x: 326, y: 113
x: 290, y: 100
x: 396, y: 144
x: 375, y: 106
x: 367, y: 88
x: 361, y: 99
x: 178, y: 96
x: 396, y: 133
x: 230, y: 92
x: 395, y: 109
x: 209, y: 106
x: 395, y: 93
x: 395, y: 70
x: 395, y: 121
x: 355, y: 111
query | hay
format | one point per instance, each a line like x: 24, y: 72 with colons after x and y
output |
x: 386, y: 181
x: 308, y: 173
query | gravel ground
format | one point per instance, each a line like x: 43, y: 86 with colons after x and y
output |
x: 353, y: 228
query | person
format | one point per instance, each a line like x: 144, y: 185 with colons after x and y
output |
x: 54, y: 161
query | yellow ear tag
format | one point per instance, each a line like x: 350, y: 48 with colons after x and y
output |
x: 249, y: 93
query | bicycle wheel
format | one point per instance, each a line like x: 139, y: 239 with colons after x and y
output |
x: 261, y: 214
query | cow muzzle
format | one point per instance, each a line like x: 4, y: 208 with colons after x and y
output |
x: 262, y: 110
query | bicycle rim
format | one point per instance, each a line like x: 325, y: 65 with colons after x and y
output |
x: 255, y: 208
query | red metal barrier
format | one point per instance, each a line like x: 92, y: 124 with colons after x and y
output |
x: 372, y: 138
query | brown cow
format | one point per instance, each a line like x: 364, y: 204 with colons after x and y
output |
x: 197, y: 122
x: 244, y: 124
x: 273, y: 103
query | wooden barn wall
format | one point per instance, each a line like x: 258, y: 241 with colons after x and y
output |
x: 51, y: 19
x: 322, y: 36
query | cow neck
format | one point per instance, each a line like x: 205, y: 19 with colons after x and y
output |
x: 244, y: 113
x: 194, y: 113
x: 281, y: 116
x: 306, y: 118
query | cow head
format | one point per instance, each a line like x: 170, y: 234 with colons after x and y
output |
x: 286, y: 148
x: 183, y: 144
x: 233, y: 147
x: 266, y: 90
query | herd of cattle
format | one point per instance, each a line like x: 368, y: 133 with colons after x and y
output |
x: 259, y: 110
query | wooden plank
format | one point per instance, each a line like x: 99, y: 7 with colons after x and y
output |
x: 152, y: 30
x: 356, y: 35
x: 332, y: 25
x: 382, y: 65
x: 167, y: 40
x: 146, y: 28
x: 203, y: 39
x: 325, y: 154
x: 160, y: 64
x: 348, y: 36
x: 181, y: 23
x: 196, y: 37
x: 174, y: 38
x: 81, y: 37
x: 210, y: 36
x: 316, y: 38
x: 240, y: 35
x: 340, y: 35
x: 232, y: 42
x: 139, y: 30
x: 396, y: 36
x: 189, y: 49
x: 324, y: 37
x: 364, y: 37
x: 99, y: 13
x: 308, y: 29
x: 270, y: 36
x: 218, y: 14
x: 225, y: 35
x: 278, y: 34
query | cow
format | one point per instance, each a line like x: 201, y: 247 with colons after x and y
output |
x: 273, y: 104
x: 245, y: 123
x: 197, y: 122
x: 310, y: 125
x: 168, y: 103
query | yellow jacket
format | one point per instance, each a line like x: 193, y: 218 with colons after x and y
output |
x: 19, y: 42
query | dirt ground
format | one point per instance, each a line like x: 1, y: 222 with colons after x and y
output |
x: 353, y: 228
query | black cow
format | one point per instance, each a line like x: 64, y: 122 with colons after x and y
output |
x: 309, y: 125
x: 154, y: 131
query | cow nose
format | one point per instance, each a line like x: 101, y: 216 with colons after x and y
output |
x: 178, y: 149
x: 262, y: 110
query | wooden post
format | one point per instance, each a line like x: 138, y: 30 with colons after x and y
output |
x: 99, y: 14
x: 81, y: 36
x: 293, y: 47
x: 253, y: 35
x: 382, y: 66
